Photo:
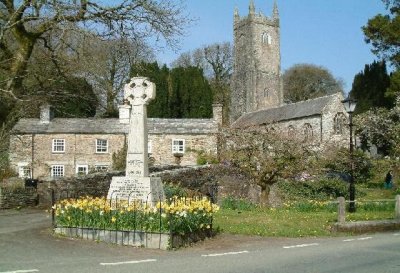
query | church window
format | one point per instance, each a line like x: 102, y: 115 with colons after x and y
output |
x: 266, y: 93
x: 291, y: 131
x: 266, y: 38
x: 339, y: 123
x: 307, y: 131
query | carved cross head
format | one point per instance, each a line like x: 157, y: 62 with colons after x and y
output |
x: 139, y: 91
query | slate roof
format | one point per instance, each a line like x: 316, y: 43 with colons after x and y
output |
x: 286, y: 112
x: 109, y: 126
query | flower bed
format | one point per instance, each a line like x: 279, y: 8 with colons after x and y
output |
x: 182, y: 217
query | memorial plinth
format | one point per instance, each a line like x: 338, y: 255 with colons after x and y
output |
x: 136, y: 184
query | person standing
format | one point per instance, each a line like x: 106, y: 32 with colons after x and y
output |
x: 389, y: 180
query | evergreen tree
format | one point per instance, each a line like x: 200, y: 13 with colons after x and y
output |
x: 182, y: 92
x: 369, y: 88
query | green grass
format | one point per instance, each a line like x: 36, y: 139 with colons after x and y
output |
x: 271, y: 222
x: 300, y: 219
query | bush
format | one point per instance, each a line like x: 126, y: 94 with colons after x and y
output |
x: 237, y: 204
x: 323, y: 189
x: 172, y: 190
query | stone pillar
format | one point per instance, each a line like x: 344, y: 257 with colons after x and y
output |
x: 46, y: 114
x: 397, y: 209
x: 341, y: 210
x: 124, y: 113
x: 217, y: 113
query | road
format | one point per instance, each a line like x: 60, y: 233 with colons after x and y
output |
x: 27, y: 245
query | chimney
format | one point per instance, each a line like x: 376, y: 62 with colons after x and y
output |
x: 217, y: 113
x: 46, y: 113
x: 124, y: 112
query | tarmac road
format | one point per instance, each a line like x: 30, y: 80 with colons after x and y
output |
x: 27, y: 245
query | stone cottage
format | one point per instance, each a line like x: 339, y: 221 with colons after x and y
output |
x: 47, y: 147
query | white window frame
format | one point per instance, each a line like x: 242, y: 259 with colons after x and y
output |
x: 57, y: 171
x: 58, y: 145
x: 101, y: 167
x: 85, y: 172
x: 100, y: 148
x: 24, y: 170
x: 149, y: 147
x: 178, y: 146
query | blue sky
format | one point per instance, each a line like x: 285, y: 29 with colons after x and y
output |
x: 322, y: 32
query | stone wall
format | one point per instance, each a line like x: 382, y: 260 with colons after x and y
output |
x: 15, y: 198
x: 80, y: 149
x: 95, y: 185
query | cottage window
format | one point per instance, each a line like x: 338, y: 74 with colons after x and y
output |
x: 82, y: 169
x: 24, y: 171
x: 308, y: 132
x: 101, y: 168
x: 178, y: 146
x: 101, y: 146
x: 57, y: 170
x: 339, y: 123
x: 58, y: 146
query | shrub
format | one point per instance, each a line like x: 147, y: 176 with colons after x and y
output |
x: 322, y: 189
x: 237, y: 204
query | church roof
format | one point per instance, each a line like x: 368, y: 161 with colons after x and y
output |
x: 283, y: 113
x: 112, y: 125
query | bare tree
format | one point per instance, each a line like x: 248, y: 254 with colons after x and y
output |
x: 106, y: 65
x: 308, y: 81
x: 266, y: 156
x: 24, y: 23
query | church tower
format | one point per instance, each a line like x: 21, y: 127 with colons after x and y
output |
x: 256, y: 81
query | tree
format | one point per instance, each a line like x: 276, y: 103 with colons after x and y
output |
x: 106, y: 65
x: 308, y: 81
x: 216, y: 60
x: 25, y: 24
x: 370, y: 86
x: 382, y: 32
x: 265, y: 156
x: 182, y: 92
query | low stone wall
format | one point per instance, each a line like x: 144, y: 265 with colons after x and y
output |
x: 15, y: 198
x: 134, y: 238
x: 367, y: 226
x: 95, y: 185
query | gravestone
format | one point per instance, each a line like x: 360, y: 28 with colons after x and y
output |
x: 136, y: 184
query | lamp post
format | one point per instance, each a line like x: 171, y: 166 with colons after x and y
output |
x: 349, y: 105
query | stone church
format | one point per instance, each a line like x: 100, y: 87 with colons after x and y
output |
x: 56, y: 147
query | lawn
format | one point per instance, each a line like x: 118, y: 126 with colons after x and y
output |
x: 301, y: 219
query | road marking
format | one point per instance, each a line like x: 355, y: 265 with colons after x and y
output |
x: 129, y: 262
x: 224, y: 254
x: 359, y: 239
x: 303, y: 245
x: 365, y: 238
x: 22, y: 271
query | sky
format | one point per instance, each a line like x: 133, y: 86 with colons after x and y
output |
x: 326, y: 33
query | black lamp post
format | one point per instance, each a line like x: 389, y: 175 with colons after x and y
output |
x: 349, y: 106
